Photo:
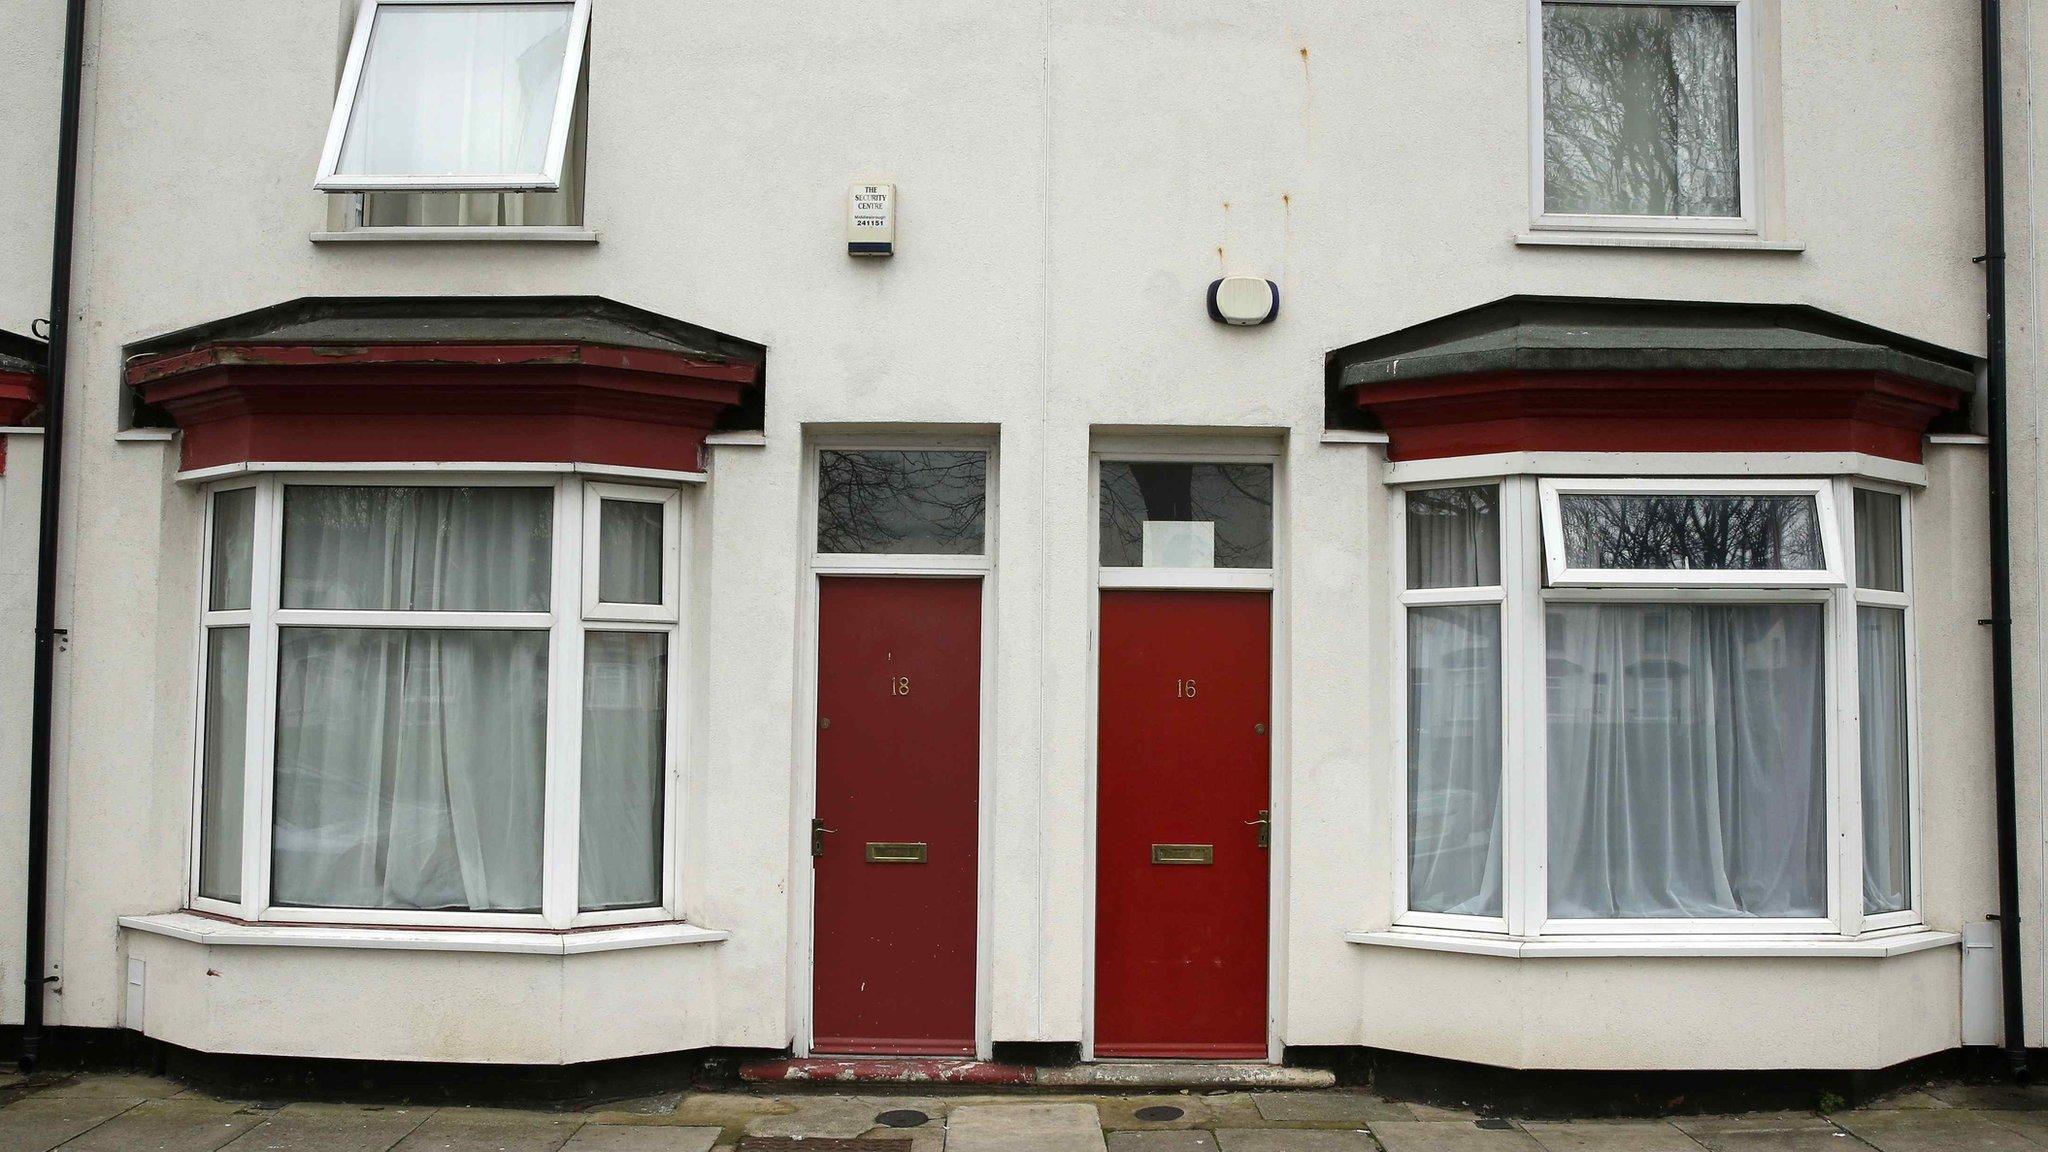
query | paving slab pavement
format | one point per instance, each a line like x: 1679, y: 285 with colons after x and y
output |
x: 41, y: 1123
x: 640, y: 1138
x: 116, y: 1084
x: 1293, y: 1140
x: 1761, y: 1132
x: 174, y: 1124
x: 1452, y: 1136
x: 1184, y: 1141
x: 2032, y: 1125
x: 490, y: 1130
x: 842, y: 1117
x: 2003, y: 1097
x: 151, y: 1114
x: 1922, y: 1131
x: 1025, y: 1128
x: 1353, y: 1108
x: 1121, y: 1113
x: 330, y: 1128
x: 1610, y: 1136
x: 1824, y: 1139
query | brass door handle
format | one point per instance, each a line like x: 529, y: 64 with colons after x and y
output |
x: 1265, y: 826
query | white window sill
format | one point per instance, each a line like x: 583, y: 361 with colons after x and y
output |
x: 20, y: 430
x: 1354, y: 436
x: 1565, y: 239
x: 145, y: 435
x: 1876, y: 946
x: 744, y: 439
x: 195, y: 929
x: 474, y: 235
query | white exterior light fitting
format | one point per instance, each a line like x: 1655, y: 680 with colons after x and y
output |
x: 1244, y: 300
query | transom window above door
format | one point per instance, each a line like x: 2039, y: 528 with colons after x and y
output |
x: 914, y: 502
x: 1644, y: 115
x: 1194, y: 516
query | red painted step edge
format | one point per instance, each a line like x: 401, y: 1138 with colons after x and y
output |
x: 884, y: 1070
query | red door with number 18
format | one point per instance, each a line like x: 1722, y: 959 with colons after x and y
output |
x: 894, y: 846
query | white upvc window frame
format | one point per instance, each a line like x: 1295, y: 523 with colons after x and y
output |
x: 1902, y: 602
x: 1560, y: 574
x: 1524, y: 596
x: 670, y: 500
x: 548, y: 179
x: 566, y: 624
x: 1540, y: 216
x: 1511, y: 687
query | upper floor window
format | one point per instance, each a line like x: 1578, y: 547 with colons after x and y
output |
x: 466, y: 114
x: 1645, y: 115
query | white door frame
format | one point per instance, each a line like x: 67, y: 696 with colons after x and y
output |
x: 804, y: 792
x: 1227, y: 449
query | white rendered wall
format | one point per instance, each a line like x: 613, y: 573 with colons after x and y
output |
x: 1071, y: 176
x: 2026, y: 172
x: 20, y: 496
x: 31, y: 44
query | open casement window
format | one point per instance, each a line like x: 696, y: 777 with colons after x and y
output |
x: 415, y: 711
x: 1643, y: 115
x: 1650, y: 707
x: 1745, y: 533
x: 456, y: 97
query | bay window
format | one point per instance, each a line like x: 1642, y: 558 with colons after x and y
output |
x: 439, y: 702
x: 1651, y: 706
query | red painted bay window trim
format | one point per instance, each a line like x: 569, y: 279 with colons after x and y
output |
x: 473, y: 403
x: 1874, y: 413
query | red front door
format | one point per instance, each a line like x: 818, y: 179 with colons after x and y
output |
x: 899, y: 755
x: 1182, y: 782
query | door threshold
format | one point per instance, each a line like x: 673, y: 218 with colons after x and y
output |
x: 1195, y: 1074
x: 885, y: 1070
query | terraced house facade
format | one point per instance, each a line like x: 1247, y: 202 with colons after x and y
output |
x: 589, y: 529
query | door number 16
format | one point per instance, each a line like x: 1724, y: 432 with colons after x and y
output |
x: 1185, y: 689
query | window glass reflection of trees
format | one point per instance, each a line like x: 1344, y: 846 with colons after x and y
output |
x: 1641, y: 110
x: 1236, y: 498
x: 911, y: 503
x: 1772, y: 533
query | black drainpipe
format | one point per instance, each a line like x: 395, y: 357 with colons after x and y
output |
x: 47, y: 633
x: 2001, y: 547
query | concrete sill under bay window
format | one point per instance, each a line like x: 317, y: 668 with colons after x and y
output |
x: 470, y: 235
x: 1875, y: 946
x: 196, y: 929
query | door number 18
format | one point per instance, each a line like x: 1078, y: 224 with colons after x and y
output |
x: 899, y: 685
